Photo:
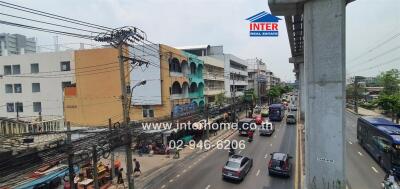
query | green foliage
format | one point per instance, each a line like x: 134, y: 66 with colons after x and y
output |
x: 390, y: 80
x: 220, y: 99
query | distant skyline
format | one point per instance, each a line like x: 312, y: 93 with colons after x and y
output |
x: 194, y: 22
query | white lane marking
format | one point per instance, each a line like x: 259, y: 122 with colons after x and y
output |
x: 350, y: 142
x: 266, y: 155
x: 258, y: 172
x: 178, y: 175
x: 208, y: 186
x: 270, y: 144
x: 275, y: 136
x: 239, y: 151
x: 373, y: 168
x: 190, y: 166
x: 278, y: 130
x: 163, y: 186
x: 347, y: 187
x: 184, y: 170
x: 359, y: 153
x: 172, y: 180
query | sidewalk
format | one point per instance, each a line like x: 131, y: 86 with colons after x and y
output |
x: 152, y: 166
x: 366, y: 112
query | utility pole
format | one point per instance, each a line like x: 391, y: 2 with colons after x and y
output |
x: 95, y: 175
x: 355, y: 93
x: 119, y: 38
x: 207, y: 117
x: 125, y: 116
x: 233, y: 95
x: 70, y: 157
x: 112, y: 154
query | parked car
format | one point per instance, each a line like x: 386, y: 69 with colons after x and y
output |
x: 279, y: 164
x: 237, y: 167
x: 291, y: 119
x: 293, y: 108
x: 266, y: 129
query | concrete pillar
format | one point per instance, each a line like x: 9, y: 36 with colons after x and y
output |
x: 324, y: 61
x: 302, y: 93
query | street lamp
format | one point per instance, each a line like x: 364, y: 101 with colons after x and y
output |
x: 142, y: 82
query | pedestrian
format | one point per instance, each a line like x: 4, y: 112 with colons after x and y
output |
x: 137, y: 170
x: 119, y: 176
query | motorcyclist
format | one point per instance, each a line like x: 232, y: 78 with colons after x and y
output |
x: 390, y: 181
x: 231, y: 149
x: 250, y: 134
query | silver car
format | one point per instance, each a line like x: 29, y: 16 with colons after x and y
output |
x: 237, y: 167
x: 291, y: 119
x: 266, y: 129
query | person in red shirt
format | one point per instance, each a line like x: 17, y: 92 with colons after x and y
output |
x: 250, y: 134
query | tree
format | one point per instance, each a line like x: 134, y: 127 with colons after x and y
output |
x: 390, y: 80
x: 390, y: 103
x: 389, y: 98
x: 274, y: 93
x: 220, y: 99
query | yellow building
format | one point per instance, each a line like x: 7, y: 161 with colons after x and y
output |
x: 95, y: 97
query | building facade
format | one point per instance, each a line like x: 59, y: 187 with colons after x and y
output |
x: 182, y: 85
x: 272, y: 80
x: 16, y: 44
x: 235, y: 69
x: 32, y: 84
x: 95, y: 95
x: 257, y: 79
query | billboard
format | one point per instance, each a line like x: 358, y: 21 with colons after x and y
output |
x: 150, y: 93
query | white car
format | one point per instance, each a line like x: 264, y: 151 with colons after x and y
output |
x: 266, y: 128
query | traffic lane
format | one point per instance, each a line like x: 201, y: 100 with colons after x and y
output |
x: 208, y: 174
x: 362, y: 171
x: 286, y: 143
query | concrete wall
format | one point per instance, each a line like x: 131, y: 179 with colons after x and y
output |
x: 98, y: 90
x: 50, y: 78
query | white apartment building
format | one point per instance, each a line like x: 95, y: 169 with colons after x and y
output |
x: 213, y: 75
x: 257, y: 79
x: 32, y: 84
x: 235, y: 69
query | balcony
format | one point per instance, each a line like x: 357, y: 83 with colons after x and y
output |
x: 214, y: 76
x: 238, y: 82
x: 238, y: 71
x: 213, y: 91
x: 178, y: 96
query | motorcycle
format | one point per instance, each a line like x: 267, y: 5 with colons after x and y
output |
x: 250, y: 139
x: 231, y: 152
x: 389, y: 185
x: 390, y: 182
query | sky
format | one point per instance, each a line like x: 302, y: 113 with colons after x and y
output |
x: 222, y: 22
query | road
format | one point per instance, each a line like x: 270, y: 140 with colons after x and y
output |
x: 361, y: 170
x: 204, y: 171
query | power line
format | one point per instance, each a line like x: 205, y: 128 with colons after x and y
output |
x: 372, y: 67
x: 375, y: 57
x: 53, y: 16
x: 376, y: 46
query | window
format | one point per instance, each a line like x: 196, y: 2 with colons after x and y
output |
x: 65, y: 84
x: 35, y: 68
x: 37, y: 107
x: 16, y: 69
x: 10, y: 107
x: 7, y: 70
x: 35, y: 87
x: 65, y: 66
x: 9, y: 88
x: 17, y: 88
x: 19, y: 107
x: 147, y: 111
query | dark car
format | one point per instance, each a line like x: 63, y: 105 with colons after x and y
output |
x: 279, y: 164
x: 237, y: 167
x: 245, y: 125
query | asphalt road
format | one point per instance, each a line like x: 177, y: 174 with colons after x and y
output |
x: 205, y: 170
x: 361, y: 170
